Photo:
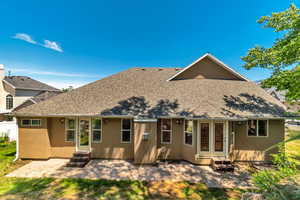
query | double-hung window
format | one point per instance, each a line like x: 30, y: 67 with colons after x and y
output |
x: 96, y: 130
x: 70, y: 130
x: 258, y: 128
x: 188, y: 132
x: 126, y: 131
x: 166, y: 131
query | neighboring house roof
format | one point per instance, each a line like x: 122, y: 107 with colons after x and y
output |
x: 145, y: 92
x: 42, y: 96
x: 27, y: 83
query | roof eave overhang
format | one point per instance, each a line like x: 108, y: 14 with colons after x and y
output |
x: 172, y: 117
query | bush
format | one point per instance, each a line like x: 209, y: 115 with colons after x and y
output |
x: 268, y: 181
x: 4, y: 138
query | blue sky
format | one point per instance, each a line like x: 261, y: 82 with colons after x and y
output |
x: 75, y: 42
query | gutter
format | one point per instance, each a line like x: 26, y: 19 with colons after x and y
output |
x: 17, y: 143
x: 161, y: 117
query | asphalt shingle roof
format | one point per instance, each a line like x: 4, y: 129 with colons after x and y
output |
x: 145, y: 92
x: 25, y: 82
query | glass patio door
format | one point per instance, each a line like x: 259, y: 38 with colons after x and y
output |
x: 212, y: 138
x: 83, y: 134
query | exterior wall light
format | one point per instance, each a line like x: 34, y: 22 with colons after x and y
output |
x: 146, y: 136
x: 62, y: 120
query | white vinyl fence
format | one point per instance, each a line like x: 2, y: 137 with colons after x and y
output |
x: 10, y: 129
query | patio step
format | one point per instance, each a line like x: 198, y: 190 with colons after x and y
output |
x: 79, y: 159
x: 223, y: 165
x: 76, y: 164
x: 81, y: 154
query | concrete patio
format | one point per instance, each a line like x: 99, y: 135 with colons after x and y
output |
x: 126, y: 170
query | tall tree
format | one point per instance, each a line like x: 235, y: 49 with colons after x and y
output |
x: 284, y: 53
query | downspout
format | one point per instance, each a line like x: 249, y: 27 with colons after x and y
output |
x: 17, y: 141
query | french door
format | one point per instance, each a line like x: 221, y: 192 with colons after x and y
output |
x: 212, y: 138
x: 83, y: 135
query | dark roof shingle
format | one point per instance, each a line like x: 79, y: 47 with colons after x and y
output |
x: 146, y: 92
x: 25, y: 82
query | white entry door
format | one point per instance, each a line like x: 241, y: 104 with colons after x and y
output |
x: 83, y: 135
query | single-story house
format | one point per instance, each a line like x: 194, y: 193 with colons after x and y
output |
x: 203, y: 111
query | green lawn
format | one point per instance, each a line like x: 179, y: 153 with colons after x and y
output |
x: 50, y: 188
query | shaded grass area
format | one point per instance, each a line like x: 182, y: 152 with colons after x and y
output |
x: 49, y: 188
x: 293, y: 147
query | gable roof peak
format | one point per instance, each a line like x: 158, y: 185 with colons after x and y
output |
x: 214, y: 59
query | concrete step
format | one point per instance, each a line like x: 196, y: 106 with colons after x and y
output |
x: 76, y: 164
x: 81, y: 154
x: 79, y: 159
x: 223, y: 165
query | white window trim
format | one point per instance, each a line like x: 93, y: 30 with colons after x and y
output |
x: 66, y: 129
x: 97, y: 142
x: 258, y: 136
x: 30, y: 123
x: 161, y: 131
x: 126, y: 142
x: 184, y: 132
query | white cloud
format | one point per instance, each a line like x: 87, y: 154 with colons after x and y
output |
x: 52, y: 45
x: 25, y: 37
x: 51, y: 73
x: 47, y: 43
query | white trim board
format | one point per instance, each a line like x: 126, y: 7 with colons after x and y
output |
x: 226, y: 67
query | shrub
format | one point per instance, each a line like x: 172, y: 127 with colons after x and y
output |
x: 268, y: 181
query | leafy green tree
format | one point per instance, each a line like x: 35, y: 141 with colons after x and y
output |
x: 70, y: 88
x: 284, y: 53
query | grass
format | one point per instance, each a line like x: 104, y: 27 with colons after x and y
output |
x: 7, y: 155
x: 50, y: 188
x: 293, y: 147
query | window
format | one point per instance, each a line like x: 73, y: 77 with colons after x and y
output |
x: 9, y: 102
x: 126, y: 131
x: 96, y: 130
x: 166, y: 131
x: 25, y: 122
x: 258, y: 128
x: 35, y: 122
x: 31, y: 122
x: 70, y: 130
x: 204, y: 137
x: 188, y: 132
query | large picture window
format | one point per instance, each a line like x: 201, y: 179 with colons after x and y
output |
x: 70, y: 130
x: 188, y: 132
x: 258, y: 128
x: 166, y: 131
x: 96, y: 130
x: 126, y: 131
